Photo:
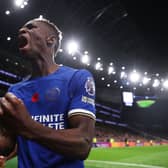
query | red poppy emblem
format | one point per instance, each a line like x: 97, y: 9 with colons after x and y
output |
x: 35, y: 98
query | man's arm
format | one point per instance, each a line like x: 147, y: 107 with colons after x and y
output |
x: 74, y: 142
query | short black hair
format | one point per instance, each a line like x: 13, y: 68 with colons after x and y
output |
x: 55, y: 29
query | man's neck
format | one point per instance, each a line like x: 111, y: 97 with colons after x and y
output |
x: 43, y: 68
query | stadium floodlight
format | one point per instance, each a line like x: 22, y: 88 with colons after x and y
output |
x: 8, y: 38
x: 72, y: 47
x: 127, y: 83
x: 25, y: 3
x: 85, y: 59
x: 86, y: 52
x: 145, y: 80
x: 156, y: 83
x: 21, y: 3
x: 145, y: 73
x: 98, y: 66
x: 134, y: 77
x: 110, y: 70
x: 165, y: 84
x: 123, y: 75
x: 7, y: 12
x: 108, y: 85
x: 123, y: 67
x: 111, y: 63
x: 74, y: 58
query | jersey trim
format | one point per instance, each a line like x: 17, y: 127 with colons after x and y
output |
x: 81, y: 112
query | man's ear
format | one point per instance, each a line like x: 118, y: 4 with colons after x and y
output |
x: 51, y: 41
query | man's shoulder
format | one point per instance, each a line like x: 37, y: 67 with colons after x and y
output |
x: 17, y: 85
x: 74, y: 70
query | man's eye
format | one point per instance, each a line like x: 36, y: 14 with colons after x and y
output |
x: 30, y: 26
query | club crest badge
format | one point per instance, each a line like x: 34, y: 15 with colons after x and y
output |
x: 90, y: 86
x: 52, y: 94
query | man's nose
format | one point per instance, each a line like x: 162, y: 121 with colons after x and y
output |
x: 22, y: 30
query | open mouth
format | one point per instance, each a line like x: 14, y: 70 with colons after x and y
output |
x: 22, y: 41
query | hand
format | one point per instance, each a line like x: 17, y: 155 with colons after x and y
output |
x: 14, y: 114
x: 2, y: 161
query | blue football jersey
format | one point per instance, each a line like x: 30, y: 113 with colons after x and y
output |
x: 51, y: 100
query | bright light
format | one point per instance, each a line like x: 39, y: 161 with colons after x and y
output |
x: 98, y: 66
x: 123, y: 67
x: 157, y: 74
x: 22, y: 6
x: 72, y: 47
x: 102, y: 78
x: 111, y: 64
x: 110, y: 70
x: 8, y: 38
x: 19, y: 2
x: 134, y: 77
x: 123, y: 75
x: 145, y: 80
x: 115, y: 81
x: 86, y: 52
x: 98, y: 59
x: 7, y: 12
x: 108, y: 85
x: 25, y: 3
x: 41, y: 17
x: 127, y: 83
x: 128, y: 98
x: 74, y: 58
x: 85, y: 59
x: 156, y: 83
x: 165, y: 84
x: 60, y: 50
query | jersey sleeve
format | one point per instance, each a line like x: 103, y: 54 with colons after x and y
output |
x: 13, y: 89
x: 82, y: 92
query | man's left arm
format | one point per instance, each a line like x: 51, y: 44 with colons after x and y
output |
x: 74, y: 142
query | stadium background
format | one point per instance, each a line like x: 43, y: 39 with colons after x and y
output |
x: 124, y: 35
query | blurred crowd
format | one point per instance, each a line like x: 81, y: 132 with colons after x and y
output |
x: 120, y: 134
